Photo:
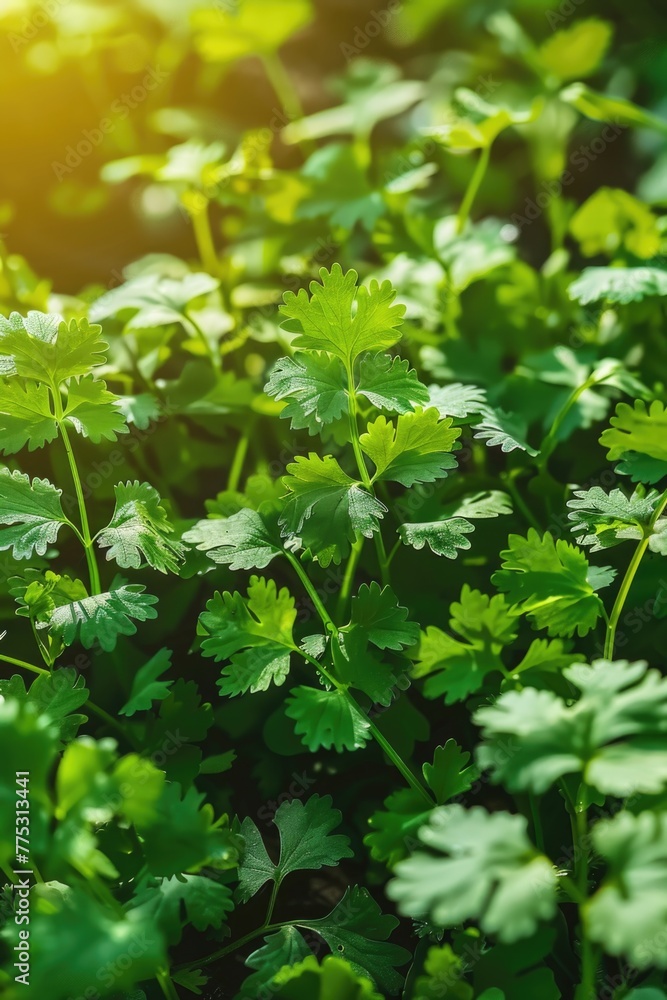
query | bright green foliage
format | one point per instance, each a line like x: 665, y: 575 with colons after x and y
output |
x: 335, y: 977
x: 315, y: 386
x: 227, y: 34
x: 326, y: 719
x: 612, y: 219
x: 483, y: 868
x: 390, y: 384
x: 139, y: 529
x: 285, y: 947
x: 255, y: 635
x: 602, y: 520
x: 45, y: 348
x: 146, y: 687
x: 618, y: 284
x: 611, y: 735
x: 639, y: 429
x: 446, y: 536
x: 443, y: 975
x: 172, y: 903
x: 57, y: 695
x: 414, y: 450
x: 325, y: 321
x: 576, y: 51
x: 153, y: 300
x: 25, y: 416
x: 32, y: 511
x: 93, y: 411
x: 376, y: 610
x: 248, y: 539
x: 102, y: 617
x: 551, y: 583
x: 306, y: 842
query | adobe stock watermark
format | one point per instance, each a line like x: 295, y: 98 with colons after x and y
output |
x: 35, y: 22
x: 364, y: 34
x: 119, y: 110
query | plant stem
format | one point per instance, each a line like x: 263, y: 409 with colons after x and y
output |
x: 235, y: 945
x: 348, y: 579
x: 85, y: 537
x: 201, y: 225
x: 240, y: 453
x: 272, y: 903
x: 616, y: 611
x: 380, y: 739
x: 508, y: 479
x: 472, y: 189
x: 211, y: 354
x: 284, y: 89
x: 167, y: 985
x: 312, y: 593
x: 551, y: 439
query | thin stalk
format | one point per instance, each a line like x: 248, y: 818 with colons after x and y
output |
x: 580, y: 846
x: 166, y: 985
x: 272, y: 903
x: 537, y: 821
x: 312, y: 593
x: 240, y: 453
x: 212, y: 355
x: 473, y: 187
x: 509, y: 480
x: 285, y: 91
x: 551, y: 439
x: 235, y: 945
x: 93, y: 570
x: 380, y: 739
x: 589, y: 967
x: 201, y: 224
x: 616, y: 611
x: 100, y: 712
x: 348, y: 579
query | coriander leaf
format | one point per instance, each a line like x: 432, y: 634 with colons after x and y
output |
x: 33, y: 512
x: 605, y: 519
x: 171, y: 904
x: 139, y: 528
x: 548, y: 581
x: 357, y: 930
x: 360, y: 669
x: 285, y: 947
x: 57, y: 695
x: 637, y: 429
x: 48, y: 349
x: 482, y: 868
x: 450, y: 774
x: 444, y: 538
x: 444, y: 974
x: 334, y: 977
x: 504, y: 429
x: 227, y: 34
x: 612, y: 220
x: 327, y: 719
x: 618, y: 284
x: 627, y: 914
x: 248, y: 539
x: 92, y: 410
x: 576, y: 51
x: 326, y: 508
x: 261, y: 627
x: 316, y: 387
x: 326, y: 321
x: 153, y: 299
x: 414, y: 450
x: 377, y: 611
x: 139, y: 410
x: 102, y: 617
x: 611, y: 735
x: 25, y: 416
x: 457, y: 400
x: 146, y: 688
x: 306, y: 843
x: 390, y: 384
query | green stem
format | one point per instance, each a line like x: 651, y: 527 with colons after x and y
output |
x: 580, y: 846
x: 379, y: 738
x: 167, y: 985
x: 312, y: 593
x: 201, y: 225
x: 85, y: 536
x: 508, y: 479
x: 348, y: 579
x: 537, y: 821
x: 240, y: 453
x: 199, y: 963
x: 100, y: 712
x: 616, y: 611
x: 551, y: 439
x: 284, y: 89
x: 211, y: 354
x: 589, y: 964
x: 382, y: 558
x: 473, y: 187
x: 272, y: 903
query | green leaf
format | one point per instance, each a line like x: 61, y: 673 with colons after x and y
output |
x: 285, y: 947
x: 612, y: 220
x: 47, y: 349
x: 33, y: 512
x: 576, y: 51
x: 549, y: 582
x: 414, y: 450
x: 505, y: 430
x: 306, y: 843
x: 261, y: 626
x: 637, y: 429
x: 57, y: 695
x: 327, y: 719
x: 357, y: 930
x: 611, y: 735
x: 390, y: 384
x: 450, y: 774
x: 474, y: 123
x: 103, y: 617
x: 482, y: 867
x: 621, y: 285
x: 139, y: 529
x: 628, y: 912
x: 316, y: 387
x: 448, y: 534
x: 326, y: 508
x: 92, y: 410
x: 248, y: 539
x: 146, y: 688
x: 341, y: 318
x: 153, y: 299
x: 602, y: 520
x: 443, y: 975
x: 602, y: 108
x: 333, y: 978
x: 457, y: 400
x: 25, y: 416
x: 377, y: 611
x: 357, y: 667
x: 171, y: 904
